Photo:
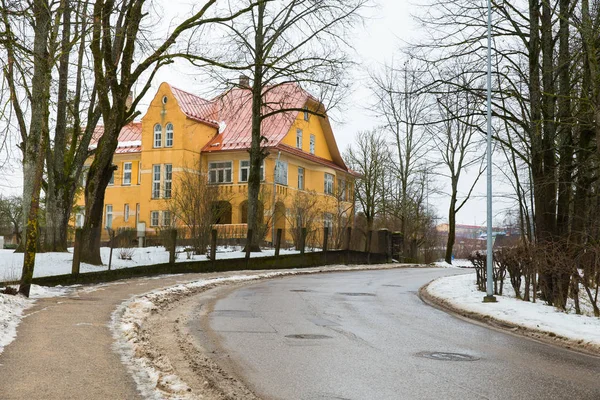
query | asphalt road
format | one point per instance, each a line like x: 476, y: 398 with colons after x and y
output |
x: 364, y: 335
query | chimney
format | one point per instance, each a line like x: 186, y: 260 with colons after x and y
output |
x: 129, y: 100
x: 244, y: 81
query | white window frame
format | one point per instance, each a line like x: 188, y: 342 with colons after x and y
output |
x: 342, y: 188
x: 247, y: 168
x: 111, y: 182
x: 79, y: 219
x: 168, y: 182
x: 127, y: 173
x: 108, y: 216
x: 301, y: 172
x: 154, y: 214
x: 157, y: 136
x: 329, y: 180
x: 156, y: 181
x: 139, y: 182
x: 214, y: 169
x: 163, y: 220
x: 299, y: 138
x: 306, y: 115
x: 137, y: 214
x: 126, y: 212
x: 281, y: 172
x: 169, y: 135
x: 313, y: 139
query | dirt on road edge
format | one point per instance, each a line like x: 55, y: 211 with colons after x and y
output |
x: 164, y: 359
x: 517, y: 329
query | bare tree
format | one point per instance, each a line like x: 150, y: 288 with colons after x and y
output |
x: 121, y: 59
x: 191, y: 204
x: 456, y: 139
x: 369, y: 159
x: 300, y: 42
x: 11, y: 212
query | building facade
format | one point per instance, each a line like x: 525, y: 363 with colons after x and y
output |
x: 181, y: 132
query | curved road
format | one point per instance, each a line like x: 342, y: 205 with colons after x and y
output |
x: 365, y: 335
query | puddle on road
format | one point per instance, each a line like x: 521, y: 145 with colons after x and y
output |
x: 444, y: 356
x: 356, y: 294
x: 307, y: 336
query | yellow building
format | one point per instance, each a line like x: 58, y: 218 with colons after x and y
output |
x: 181, y: 131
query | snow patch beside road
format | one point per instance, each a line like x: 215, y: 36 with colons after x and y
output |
x: 460, y: 293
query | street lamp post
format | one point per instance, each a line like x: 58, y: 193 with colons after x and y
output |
x: 489, y: 298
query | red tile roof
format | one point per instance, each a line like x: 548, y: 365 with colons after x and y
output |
x: 195, y: 107
x: 310, y: 157
x: 130, y: 138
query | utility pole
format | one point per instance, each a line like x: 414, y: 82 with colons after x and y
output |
x: 489, y: 298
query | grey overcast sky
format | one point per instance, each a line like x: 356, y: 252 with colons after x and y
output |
x: 387, y: 25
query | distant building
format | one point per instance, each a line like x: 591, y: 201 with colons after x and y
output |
x: 470, y: 231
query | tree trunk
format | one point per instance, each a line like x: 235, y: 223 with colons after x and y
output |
x: 451, y: 226
x: 98, y: 177
x: 37, y: 140
x: 256, y: 153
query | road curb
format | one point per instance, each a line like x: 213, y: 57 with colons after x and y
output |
x: 540, y: 335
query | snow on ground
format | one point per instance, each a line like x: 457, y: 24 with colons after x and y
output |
x: 461, y: 292
x: 12, y: 308
x: 47, y: 264
x: 458, y: 263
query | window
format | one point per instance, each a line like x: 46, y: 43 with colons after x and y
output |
x: 109, y: 216
x: 156, y: 181
x: 79, y: 220
x: 84, y: 174
x: 219, y: 172
x: 126, y: 213
x: 306, y: 115
x: 312, y: 144
x: 245, y: 170
x: 328, y: 221
x: 154, y: 218
x: 342, y: 189
x: 168, y: 180
x: 300, y: 178
x: 139, y: 172
x: 328, y: 183
x: 127, y: 173
x: 166, y: 218
x: 137, y: 214
x: 112, y: 179
x: 299, y: 138
x: 169, y: 135
x: 281, y: 170
x: 157, y: 135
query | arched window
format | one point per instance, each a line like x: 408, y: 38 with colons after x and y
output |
x: 157, y: 135
x: 169, y: 135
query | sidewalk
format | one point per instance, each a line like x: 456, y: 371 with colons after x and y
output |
x: 63, y: 349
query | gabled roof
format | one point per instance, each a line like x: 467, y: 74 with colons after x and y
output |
x: 233, y: 111
x: 195, y: 107
x: 130, y: 138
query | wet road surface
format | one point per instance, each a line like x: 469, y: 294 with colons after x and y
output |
x: 367, y: 335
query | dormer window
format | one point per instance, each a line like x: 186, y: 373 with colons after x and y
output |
x: 169, y: 135
x: 157, y: 135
